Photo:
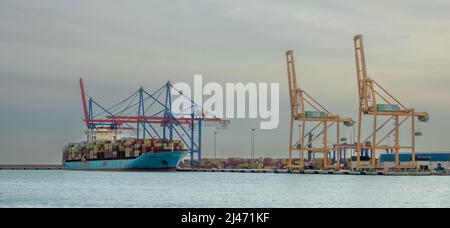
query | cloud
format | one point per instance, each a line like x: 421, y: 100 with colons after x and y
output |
x: 118, y: 46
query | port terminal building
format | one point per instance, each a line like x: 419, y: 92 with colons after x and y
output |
x: 425, y: 160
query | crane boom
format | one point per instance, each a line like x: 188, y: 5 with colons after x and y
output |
x: 85, y: 109
x: 294, y: 90
x: 365, y: 85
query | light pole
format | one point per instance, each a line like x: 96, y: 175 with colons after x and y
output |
x: 299, y: 134
x: 215, y: 145
x: 353, y: 138
x: 299, y: 146
x: 253, y: 144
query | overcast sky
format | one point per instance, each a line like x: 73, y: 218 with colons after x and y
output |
x: 118, y: 46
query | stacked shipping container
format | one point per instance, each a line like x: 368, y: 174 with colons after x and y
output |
x: 118, y: 149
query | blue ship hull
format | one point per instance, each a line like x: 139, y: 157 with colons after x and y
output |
x: 150, y: 161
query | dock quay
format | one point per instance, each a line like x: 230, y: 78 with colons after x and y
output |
x: 278, y: 171
x: 31, y: 167
x: 227, y: 170
x: 315, y: 172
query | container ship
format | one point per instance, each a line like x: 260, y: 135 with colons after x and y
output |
x: 104, y: 152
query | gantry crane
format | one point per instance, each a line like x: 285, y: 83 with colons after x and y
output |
x: 375, y: 101
x: 150, y: 116
x: 313, y: 117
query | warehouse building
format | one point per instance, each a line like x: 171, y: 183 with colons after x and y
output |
x: 425, y: 161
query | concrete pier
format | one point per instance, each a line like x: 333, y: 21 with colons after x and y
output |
x: 31, y: 167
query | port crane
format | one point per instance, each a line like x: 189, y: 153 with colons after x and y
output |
x: 376, y: 102
x: 150, y: 116
x: 313, y: 117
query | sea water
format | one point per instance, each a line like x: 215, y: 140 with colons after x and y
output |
x: 193, y: 189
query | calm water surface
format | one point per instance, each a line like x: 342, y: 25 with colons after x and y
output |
x: 149, y: 189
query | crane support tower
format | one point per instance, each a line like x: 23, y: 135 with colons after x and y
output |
x: 312, y: 117
x: 378, y: 103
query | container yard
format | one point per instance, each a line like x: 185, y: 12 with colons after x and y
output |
x: 428, y: 164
